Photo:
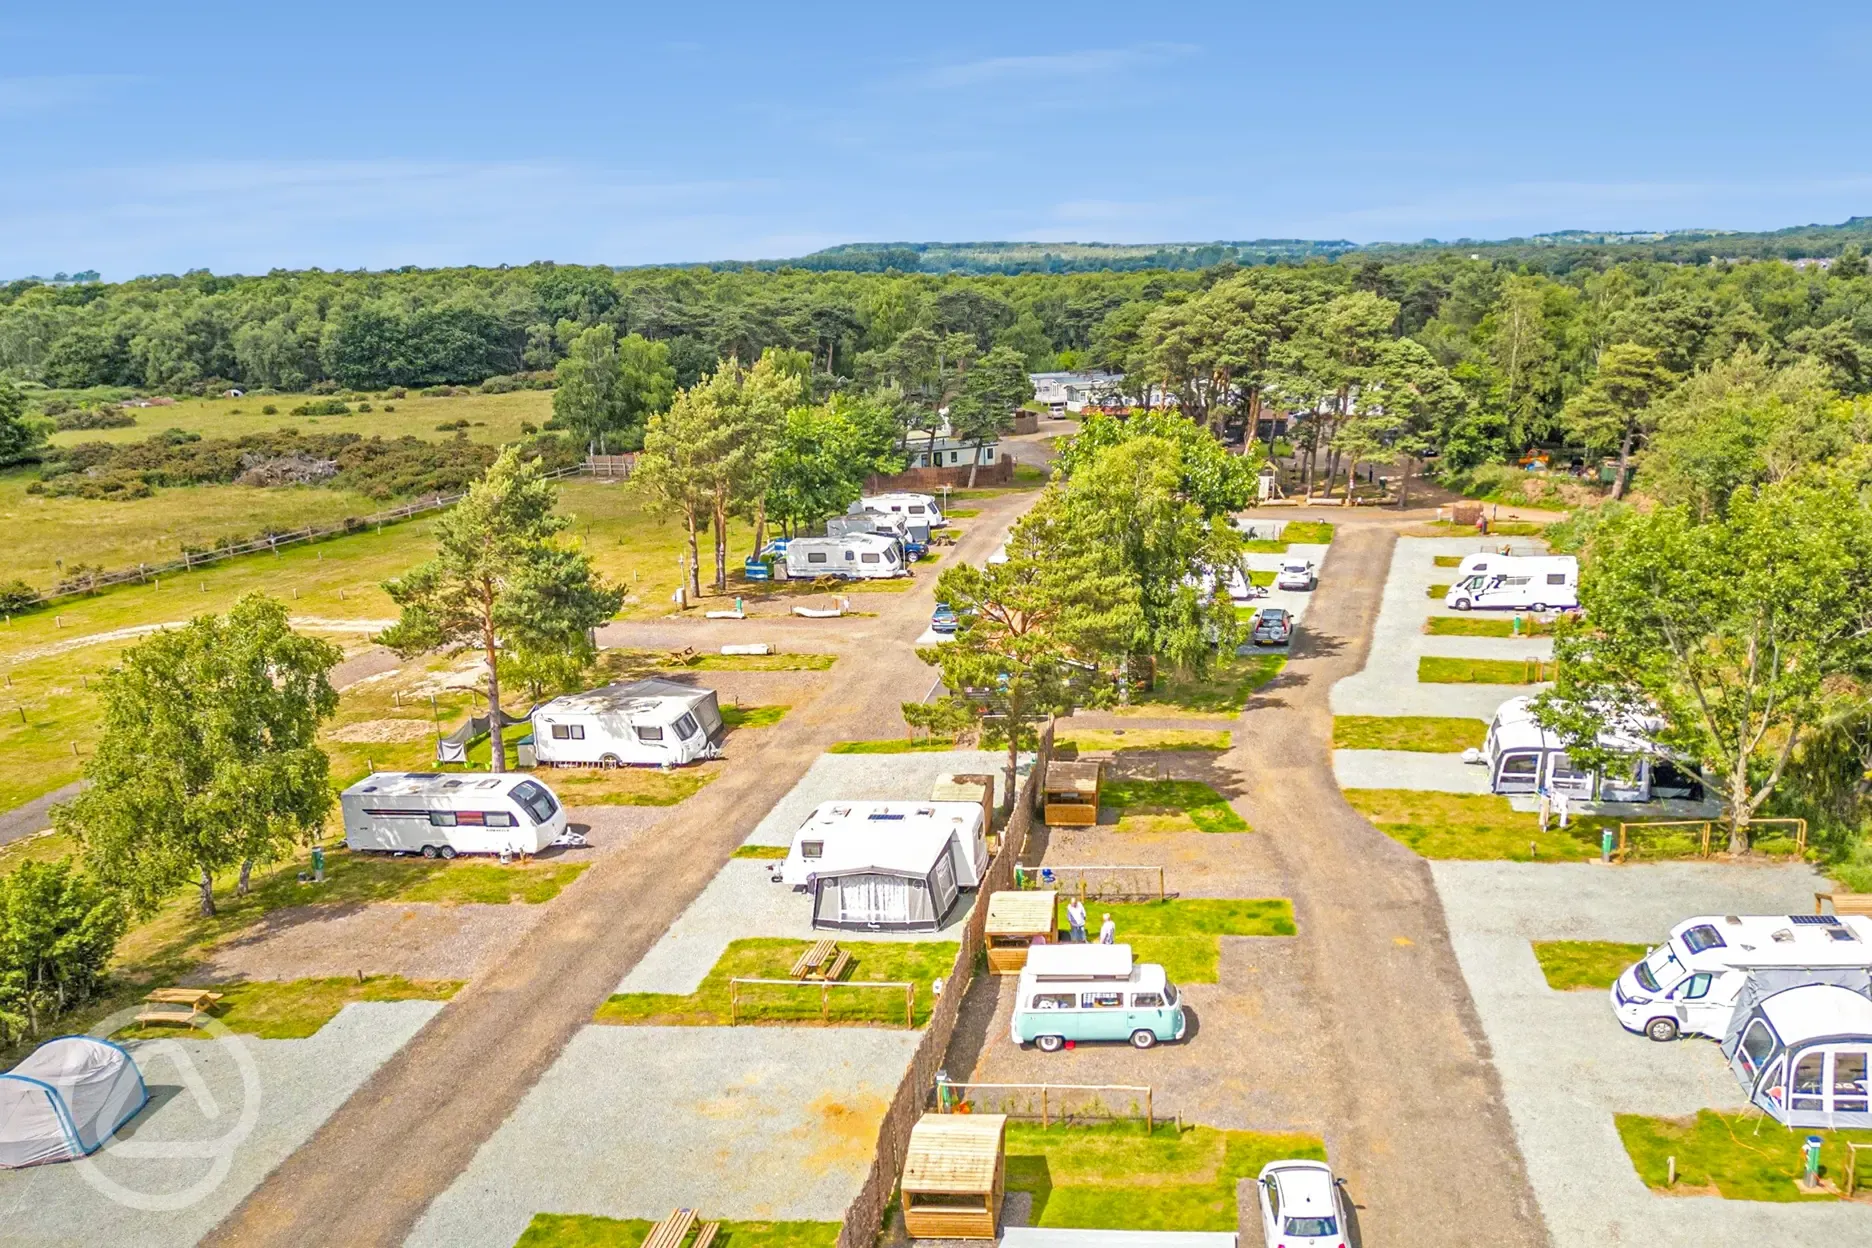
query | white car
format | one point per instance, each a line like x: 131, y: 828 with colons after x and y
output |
x: 1295, y: 574
x: 1301, y: 1205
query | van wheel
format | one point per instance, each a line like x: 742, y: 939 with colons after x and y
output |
x: 1143, y: 1038
x: 428, y: 851
x: 1461, y: 604
x: 1049, y: 1044
x: 1539, y: 607
x: 448, y: 851
x: 1662, y: 1030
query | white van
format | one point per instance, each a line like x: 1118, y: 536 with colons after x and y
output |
x: 861, y: 557
x: 440, y: 816
x: 1689, y: 984
x: 1531, y: 583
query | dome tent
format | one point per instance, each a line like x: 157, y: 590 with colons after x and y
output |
x: 65, y: 1100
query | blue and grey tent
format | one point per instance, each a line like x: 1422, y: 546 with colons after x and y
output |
x: 65, y: 1100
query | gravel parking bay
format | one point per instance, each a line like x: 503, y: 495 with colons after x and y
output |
x: 1566, y: 1066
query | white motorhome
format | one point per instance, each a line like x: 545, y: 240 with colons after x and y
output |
x: 1526, y: 583
x: 441, y: 815
x: 840, y: 832
x: 911, y: 530
x: 1524, y: 757
x: 912, y: 507
x: 1689, y: 984
x: 861, y: 557
x: 642, y: 723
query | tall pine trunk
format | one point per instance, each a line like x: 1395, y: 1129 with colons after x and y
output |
x: 497, y: 739
x: 973, y: 462
x: 695, y: 556
x: 1624, y: 460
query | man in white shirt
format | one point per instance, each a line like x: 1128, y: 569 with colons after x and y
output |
x: 1108, y: 931
x: 1076, y: 921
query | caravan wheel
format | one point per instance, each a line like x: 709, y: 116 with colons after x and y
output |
x: 1662, y: 1030
x: 1461, y: 604
x: 448, y: 851
x: 429, y: 851
x: 610, y: 760
x: 1539, y: 607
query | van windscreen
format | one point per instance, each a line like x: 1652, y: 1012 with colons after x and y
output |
x: 535, y: 800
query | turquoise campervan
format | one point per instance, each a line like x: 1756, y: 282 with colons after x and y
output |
x: 1081, y: 992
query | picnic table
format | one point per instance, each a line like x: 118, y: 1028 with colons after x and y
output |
x: 671, y: 1231
x: 180, y: 1006
x: 823, y: 960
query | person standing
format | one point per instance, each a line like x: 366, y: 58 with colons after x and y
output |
x: 1076, y: 921
x: 1108, y: 931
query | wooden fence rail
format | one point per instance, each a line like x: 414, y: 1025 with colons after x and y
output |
x: 1705, y: 833
x: 947, y: 1097
x: 825, y: 987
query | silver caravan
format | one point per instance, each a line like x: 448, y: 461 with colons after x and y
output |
x: 441, y: 815
x: 1524, y: 757
x: 642, y: 723
x: 863, y: 557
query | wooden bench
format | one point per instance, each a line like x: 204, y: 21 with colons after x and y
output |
x: 1844, y: 903
x: 838, y: 965
x: 177, y: 1006
x: 813, y: 959
x: 671, y: 1231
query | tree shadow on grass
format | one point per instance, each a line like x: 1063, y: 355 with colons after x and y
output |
x: 1030, y: 1173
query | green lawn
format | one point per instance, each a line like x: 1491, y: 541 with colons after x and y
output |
x: 628, y: 786
x: 1070, y: 741
x: 1435, y: 591
x: 1738, y: 1156
x: 1462, y: 825
x: 295, y: 1009
x: 760, y: 851
x: 580, y: 1230
x: 1487, y: 626
x: 1184, y: 934
x: 628, y: 664
x: 1574, y: 964
x: 1263, y: 546
x: 1437, y: 670
x: 1220, y: 695
x: 766, y: 958
x: 492, y: 418
x: 891, y: 745
x: 962, y: 513
x: 1168, y: 806
x: 1504, y: 528
x: 1117, y: 1177
x: 1449, y: 561
x: 1308, y: 532
x: 1427, y: 734
x: 753, y: 716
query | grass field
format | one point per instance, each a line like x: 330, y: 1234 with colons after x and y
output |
x: 1570, y: 965
x: 765, y: 958
x: 1184, y: 934
x: 1220, y: 695
x: 891, y: 745
x: 753, y: 716
x: 583, y: 1230
x: 1308, y: 532
x: 1504, y: 528
x: 1462, y: 825
x: 1437, y: 670
x: 1448, y: 561
x: 297, y: 1008
x: 1427, y: 734
x: 1115, y: 1176
x: 1738, y: 1156
x: 624, y: 664
x: 770, y: 852
x: 1168, y: 806
x: 1487, y: 626
x: 492, y: 418
x: 1069, y: 742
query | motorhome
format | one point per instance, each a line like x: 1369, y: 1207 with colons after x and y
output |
x: 441, y: 815
x: 642, y: 723
x: 1081, y: 992
x: 1524, y: 757
x: 863, y: 557
x: 913, y: 507
x: 912, y: 538
x: 1529, y: 583
x: 1689, y: 985
x: 836, y: 831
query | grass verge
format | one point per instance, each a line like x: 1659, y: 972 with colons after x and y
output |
x: 890, y: 745
x: 296, y: 1009
x: 1449, y: 561
x: 1221, y: 694
x: 627, y: 664
x: 1425, y: 734
x: 1435, y: 591
x: 1115, y: 1176
x: 753, y: 716
x: 1471, y: 826
x: 1433, y: 669
x: 583, y: 1230
x: 766, y: 958
x: 774, y: 852
x: 1308, y: 532
x: 1738, y: 1156
x: 1184, y: 934
x: 1075, y: 740
x: 1575, y: 964
x: 628, y: 786
x: 1168, y: 806
x: 1487, y: 626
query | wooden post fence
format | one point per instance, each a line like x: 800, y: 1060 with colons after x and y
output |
x: 825, y: 987
x: 1706, y: 834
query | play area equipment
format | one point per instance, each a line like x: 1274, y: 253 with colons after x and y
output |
x: 954, y: 1176
x: 65, y: 1100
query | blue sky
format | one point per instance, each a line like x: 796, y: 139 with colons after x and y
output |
x: 140, y: 138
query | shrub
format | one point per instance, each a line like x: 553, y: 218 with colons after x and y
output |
x: 58, y: 930
x: 327, y: 386
x: 363, y: 407
x: 389, y: 407
x: 398, y: 392
x: 323, y: 407
x: 16, y: 596
x: 449, y: 426
x: 93, y: 418
x: 269, y: 410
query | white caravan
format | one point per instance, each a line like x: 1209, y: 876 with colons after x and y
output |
x: 913, y: 507
x: 908, y: 529
x: 440, y: 816
x: 1523, y: 757
x: 1689, y: 984
x: 860, y: 557
x: 643, y: 723
x: 842, y: 832
x: 1527, y: 583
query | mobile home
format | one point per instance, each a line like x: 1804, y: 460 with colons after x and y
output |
x: 1082, y: 992
x: 845, y: 831
x: 440, y: 816
x: 642, y: 723
x: 1528, y: 583
x: 1801, y: 1055
x: 1524, y: 757
x: 1689, y: 985
x: 862, y: 557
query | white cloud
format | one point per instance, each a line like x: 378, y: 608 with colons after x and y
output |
x: 27, y: 94
x: 1050, y: 65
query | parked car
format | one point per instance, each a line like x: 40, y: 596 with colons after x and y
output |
x: 1301, y: 1205
x: 1273, y: 626
x: 1295, y: 574
x: 943, y: 619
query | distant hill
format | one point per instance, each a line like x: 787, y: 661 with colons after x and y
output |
x: 1557, y: 251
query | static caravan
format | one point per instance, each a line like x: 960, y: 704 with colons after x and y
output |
x: 846, y: 831
x: 1801, y: 1055
x: 1524, y: 757
x: 1690, y: 984
x: 905, y: 882
x: 1529, y: 583
x: 1082, y: 992
x: 440, y: 816
x: 914, y: 508
x: 642, y: 723
x: 861, y: 557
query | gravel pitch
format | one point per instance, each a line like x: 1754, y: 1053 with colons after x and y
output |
x: 747, y: 1123
x: 1408, y: 769
x: 197, y: 1095
x: 1566, y: 1065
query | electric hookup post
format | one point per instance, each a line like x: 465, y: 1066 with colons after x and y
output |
x: 318, y: 864
x: 1810, y: 1154
x: 1605, y: 845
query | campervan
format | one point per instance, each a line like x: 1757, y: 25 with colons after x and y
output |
x: 836, y: 831
x: 864, y: 557
x: 440, y: 816
x: 1531, y: 583
x: 1081, y: 992
x: 1524, y: 757
x: 643, y: 723
x: 913, y: 507
x: 1689, y: 984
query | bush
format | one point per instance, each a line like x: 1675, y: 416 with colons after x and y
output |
x: 16, y: 596
x: 58, y: 930
x: 389, y: 407
x: 269, y: 410
x: 323, y: 407
x: 363, y: 407
x: 93, y: 418
x: 327, y: 386
x: 397, y: 392
x: 449, y: 426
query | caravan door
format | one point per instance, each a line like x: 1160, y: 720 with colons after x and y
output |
x: 1564, y: 777
x: 1518, y: 771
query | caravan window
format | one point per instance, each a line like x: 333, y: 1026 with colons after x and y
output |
x: 652, y: 733
x: 686, y: 726
x: 1522, y: 766
x: 499, y: 819
x: 568, y: 732
x: 535, y: 800
x: 1807, y: 1081
x: 870, y: 557
x: 1849, y: 1081
x: 1757, y: 1043
x: 1055, y: 1001
x: 1556, y: 578
x: 442, y: 818
x: 812, y: 849
x: 815, y: 556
